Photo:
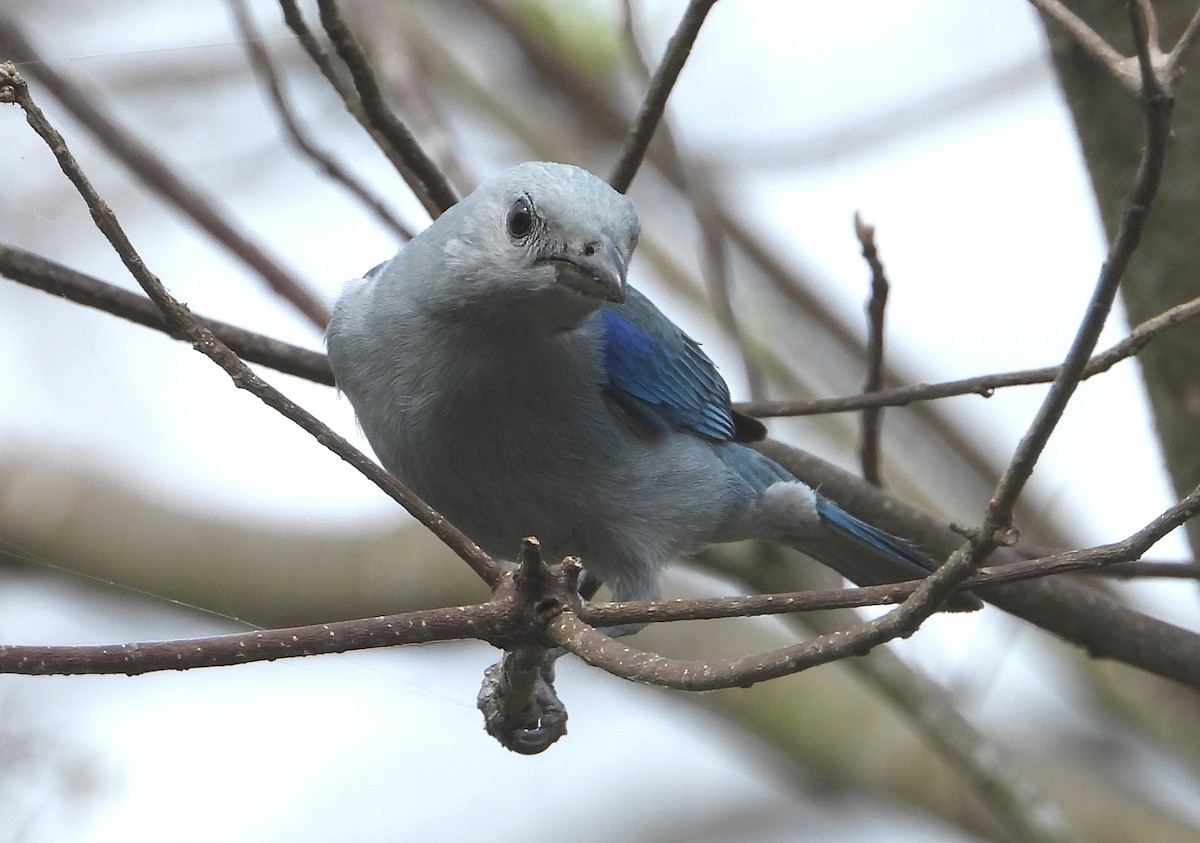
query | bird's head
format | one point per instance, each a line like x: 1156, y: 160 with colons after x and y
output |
x: 548, y: 242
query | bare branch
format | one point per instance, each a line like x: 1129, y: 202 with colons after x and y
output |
x: 1094, y: 559
x: 1144, y: 23
x: 1145, y: 36
x: 673, y: 60
x: 147, y: 166
x: 689, y: 675
x: 983, y: 385
x: 421, y: 627
x: 45, y: 274
x: 181, y: 319
x: 1181, y: 51
x: 332, y: 72
x: 1101, y: 625
x: 58, y: 280
x: 264, y: 69
x: 872, y: 419
x: 997, y: 528
x: 392, y: 35
x: 520, y: 610
x: 1150, y: 73
x: 1150, y: 570
x: 1090, y: 41
x: 712, y: 232
x: 419, y: 170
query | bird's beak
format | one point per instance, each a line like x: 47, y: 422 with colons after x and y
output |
x: 596, y: 269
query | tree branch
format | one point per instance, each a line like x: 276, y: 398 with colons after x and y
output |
x: 983, y: 385
x: 147, y: 166
x: 673, y: 60
x: 569, y: 631
x: 1183, y: 47
x: 13, y: 88
x: 536, y: 597
x: 294, y: 21
x: 997, y: 526
x: 264, y: 70
x: 58, y: 280
x: 1097, y: 558
x: 872, y: 418
x: 1101, y: 625
x: 715, y: 266
x: 419, y: 170
x: 481, y: 621
x: 1151, y: 570
x: 1090, y: 41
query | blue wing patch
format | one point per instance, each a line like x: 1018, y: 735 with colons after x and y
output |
x: 659, y: 374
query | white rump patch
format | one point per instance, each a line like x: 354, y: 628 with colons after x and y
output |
x: 789, y: 511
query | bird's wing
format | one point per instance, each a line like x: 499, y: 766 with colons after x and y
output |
x: 659, y: 375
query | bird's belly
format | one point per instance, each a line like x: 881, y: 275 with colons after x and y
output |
x: 502, y: 482
x: 592, y: 488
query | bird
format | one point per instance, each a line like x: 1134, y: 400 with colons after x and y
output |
x: 501, y: 366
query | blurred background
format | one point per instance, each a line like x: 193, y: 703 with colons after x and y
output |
x: 142, y: 497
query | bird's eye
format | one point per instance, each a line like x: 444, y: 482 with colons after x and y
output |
x: 520, y: 219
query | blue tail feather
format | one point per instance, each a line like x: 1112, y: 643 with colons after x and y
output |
x: 901, y: 551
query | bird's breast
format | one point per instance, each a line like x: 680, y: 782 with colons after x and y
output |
x: 504, y: 405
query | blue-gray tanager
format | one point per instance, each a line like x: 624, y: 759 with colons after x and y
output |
x: 502, y: 368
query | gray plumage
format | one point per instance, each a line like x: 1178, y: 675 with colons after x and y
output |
x: 501, y: 367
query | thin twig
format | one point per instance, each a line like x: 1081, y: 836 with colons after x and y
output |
x: 1101, y: 625
x: 419, y: 171
x: 872, y: 417
x: 984, y: 385
x: 1090, y: 41
x: 337, y: 80
x: 1181, y: 50
x: 44, y: 274
x: 420, y: 627
x: 570, y: 632
x: 500, y: 619
x: 1144, y: 22
x: 673, y: 60
x: 392, y: 36
x: 264, y: 69
x: 156, y: 174
x: 1150, y: 570
x: 997, y: 527
x: 602, y: 113
x: 341, y: 85
x: 712, y: 233
x: 344, y: 88
x: 1096, y: 559
x: 58, y: 280
x: 182, y: 320
x: 1147, y: 20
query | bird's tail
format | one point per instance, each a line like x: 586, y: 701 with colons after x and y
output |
x: 798, y: 516
x: 867, y: 555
